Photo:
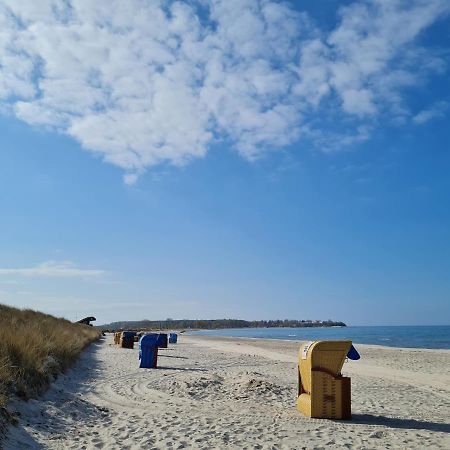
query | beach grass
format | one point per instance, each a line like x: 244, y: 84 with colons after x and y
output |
x: 35, y: 348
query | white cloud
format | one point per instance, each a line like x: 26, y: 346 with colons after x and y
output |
x: 54, y: 269
x: 435, y: 111
x: 371, y: 56
x: 142, y: 82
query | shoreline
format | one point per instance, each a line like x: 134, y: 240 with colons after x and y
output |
x: 433, y: 338
x: 214, y: 392
x: 299, y: 341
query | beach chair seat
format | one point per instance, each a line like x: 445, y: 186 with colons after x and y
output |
x: 322, y: 390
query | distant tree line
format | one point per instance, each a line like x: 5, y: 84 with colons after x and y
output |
x: 216, y: 324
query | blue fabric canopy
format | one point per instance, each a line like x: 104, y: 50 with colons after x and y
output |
x: 353, y: 354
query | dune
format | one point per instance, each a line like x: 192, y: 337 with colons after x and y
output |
x: 213, y: 393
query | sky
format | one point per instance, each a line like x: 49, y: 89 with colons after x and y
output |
x: 253, y: 159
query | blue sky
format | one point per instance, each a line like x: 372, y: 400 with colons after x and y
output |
x: 235, y: 159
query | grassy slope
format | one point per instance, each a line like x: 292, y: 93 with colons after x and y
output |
x: 34, y: 348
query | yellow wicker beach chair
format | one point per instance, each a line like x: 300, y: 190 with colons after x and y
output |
x: 322, y: 391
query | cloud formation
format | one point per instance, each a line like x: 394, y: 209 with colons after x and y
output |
x: 144, y: 82
x: 435, y: 111
x: 54, y: 269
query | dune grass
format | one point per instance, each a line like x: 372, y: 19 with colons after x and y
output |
x: 35, y: 348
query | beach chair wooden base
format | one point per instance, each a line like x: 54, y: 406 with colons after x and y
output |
x: 331, y: 398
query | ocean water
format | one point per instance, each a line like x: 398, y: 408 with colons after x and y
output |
x: 391, y: 336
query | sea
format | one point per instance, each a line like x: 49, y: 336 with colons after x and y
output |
x: 437, y: 337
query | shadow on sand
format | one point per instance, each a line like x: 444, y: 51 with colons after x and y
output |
x: 183, y: 369
x: 392, y: 422
x: 172, y: 356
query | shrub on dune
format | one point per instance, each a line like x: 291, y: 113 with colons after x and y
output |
x: 35, y: 348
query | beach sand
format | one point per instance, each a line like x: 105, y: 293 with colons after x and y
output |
x: 235, y: 393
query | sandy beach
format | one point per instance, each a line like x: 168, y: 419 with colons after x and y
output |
x: 234, y: 393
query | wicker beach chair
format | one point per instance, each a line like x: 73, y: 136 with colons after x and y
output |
x: 127, y: 339
x: 322, y: 391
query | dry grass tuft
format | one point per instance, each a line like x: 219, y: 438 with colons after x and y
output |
x: 35, y: 348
